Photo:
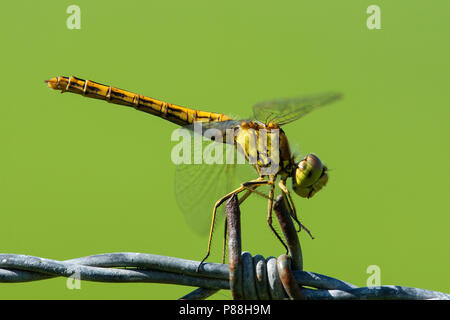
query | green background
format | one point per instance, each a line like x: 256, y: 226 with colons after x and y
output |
x: 81, y: 177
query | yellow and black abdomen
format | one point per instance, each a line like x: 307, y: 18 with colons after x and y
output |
x: 176, y: 114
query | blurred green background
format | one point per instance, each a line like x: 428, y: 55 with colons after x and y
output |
x: 81, y: 177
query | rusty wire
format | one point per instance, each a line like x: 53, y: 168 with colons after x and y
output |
x: 248, y: 277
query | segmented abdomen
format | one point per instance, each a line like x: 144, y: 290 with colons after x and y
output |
x: 176, y: 114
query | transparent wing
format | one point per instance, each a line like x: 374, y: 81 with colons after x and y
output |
x: 199, y: 185
x: 283, y: 111
x: 210, y: 128
x: 197, y: 188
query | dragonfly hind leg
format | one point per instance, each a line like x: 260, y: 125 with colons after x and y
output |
x: 247, y: 186
x: 250, y: 190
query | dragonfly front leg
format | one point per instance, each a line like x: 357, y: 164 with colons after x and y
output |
x: 291, y: 206
x: 290, y: 202
x: 269, y: 214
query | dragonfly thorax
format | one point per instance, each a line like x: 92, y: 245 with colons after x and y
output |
x: 264, y: 146
x: 267, y: 148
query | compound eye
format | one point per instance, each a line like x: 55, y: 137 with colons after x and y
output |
x: 302, y: 165
x: 308, y: 172
x: 314, y: 161
x: 310, y: 168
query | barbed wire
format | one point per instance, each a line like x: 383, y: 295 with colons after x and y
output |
x: 248, y: 277
x: 143, y: 267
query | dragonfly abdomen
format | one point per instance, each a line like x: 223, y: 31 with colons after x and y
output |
x: 174, y: 113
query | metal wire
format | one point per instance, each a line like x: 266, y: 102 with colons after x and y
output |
x: 142, y: 267
x: 248, y: 277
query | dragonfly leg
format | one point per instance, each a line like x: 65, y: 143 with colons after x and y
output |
x: 290, y: 202
x: 243, y: 187
x: 269, y: 215
x: 291, y: 206
x: 250, y: 190
x: 224, y: 245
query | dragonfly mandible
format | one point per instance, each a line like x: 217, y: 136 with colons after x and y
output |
x: 308, y: 175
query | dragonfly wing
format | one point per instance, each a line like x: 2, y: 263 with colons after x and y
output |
x: 199, y: 185
x: 197, y: 188
x: 283, y: 111
x: 213, y: 127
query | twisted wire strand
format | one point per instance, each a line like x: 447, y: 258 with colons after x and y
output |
x: 142, y: 267
x: 271, y: 278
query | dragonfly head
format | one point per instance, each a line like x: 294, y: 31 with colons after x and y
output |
x: 309, y: 177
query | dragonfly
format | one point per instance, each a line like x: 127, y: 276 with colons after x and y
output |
x: 270, y: 155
